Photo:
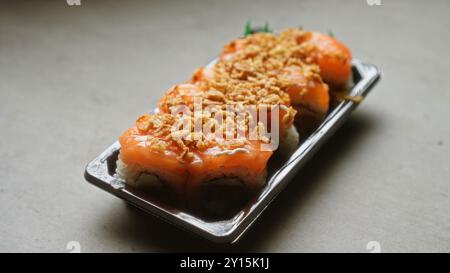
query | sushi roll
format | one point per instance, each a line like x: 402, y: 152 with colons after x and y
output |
x: 149, y: 157
x: 155, y: 148
x: 308, y: 65
x: 247, y: 104
x: 305, y: 88
x: 332, y: 56
x: 182, y: 98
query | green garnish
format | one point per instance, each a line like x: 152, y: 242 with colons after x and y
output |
x: 248, y: 29
x: 330, y: 33
x: 266, y: 28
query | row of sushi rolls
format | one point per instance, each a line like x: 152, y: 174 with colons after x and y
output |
x: 195, y: 146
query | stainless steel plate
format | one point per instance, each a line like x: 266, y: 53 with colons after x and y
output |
x: 100, y: 172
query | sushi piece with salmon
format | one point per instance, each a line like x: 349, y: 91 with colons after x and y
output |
x: 307, y: 63
x: 156, y: 155
x: 184, y: 97
x: 149, y: 157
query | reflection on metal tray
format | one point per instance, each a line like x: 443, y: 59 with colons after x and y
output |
x: 100, y: 172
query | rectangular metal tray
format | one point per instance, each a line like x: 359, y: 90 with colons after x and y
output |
x: 100, y: 172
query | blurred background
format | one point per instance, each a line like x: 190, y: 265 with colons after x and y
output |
x: 73, y: 78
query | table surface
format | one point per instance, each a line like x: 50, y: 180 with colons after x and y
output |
x: 72, y: 78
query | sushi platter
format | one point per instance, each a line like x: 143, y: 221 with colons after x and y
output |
x: 119, y: 169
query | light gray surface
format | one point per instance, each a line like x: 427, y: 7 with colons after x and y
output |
x: 73, y: 78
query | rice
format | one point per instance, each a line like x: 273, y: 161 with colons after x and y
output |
x: 136, y: 177
x: 290, y: 142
